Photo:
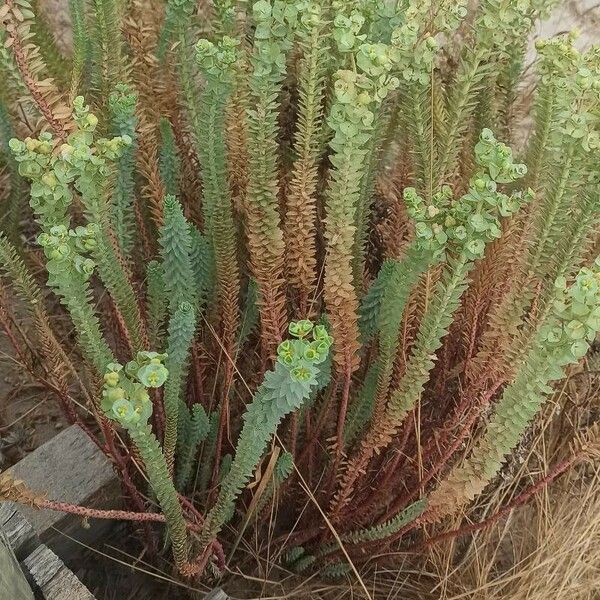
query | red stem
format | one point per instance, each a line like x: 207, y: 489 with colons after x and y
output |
x: 13, y: 341
x: 28, y: 78
x: 321, y: 421
x: 197, y: 375
x: 519, y: 500
x: 63, y: 398
x: 144, y: 517
x: 403, y: 500
x: 117, y: 515
x: 363, y: 505
x: 343, y: 409
x: 114, y: 452
x: 223, y: 423
x: 158, y: 412
x: 341, y: 422
x: 293, y: 434
x: 310, y: 454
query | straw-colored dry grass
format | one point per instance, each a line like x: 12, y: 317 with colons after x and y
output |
x: 548, y: 549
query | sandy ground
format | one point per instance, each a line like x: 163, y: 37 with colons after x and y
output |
x: 583, y: 15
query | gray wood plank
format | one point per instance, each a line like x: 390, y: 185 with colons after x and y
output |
x: 17, y: 530
x: 68, y: 468
x: 53, y: 578
x: 13, y: 585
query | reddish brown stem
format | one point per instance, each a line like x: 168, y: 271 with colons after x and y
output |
x: 158, y: 412
x: 310, y: 454
x: 198, y: 516
x: 145, y: 517
x: 65, y: 401
x: 521, y: 499
x: 293, y: 435
x: 341, y: 422
x: 142, y: 229
x: 6, y: 326
x: 380, y: 489
x: 197, y: 375
x: 223, y: 423
x: 117, y: 515
x: 120, y: 461
x: 320, y: 424
x: 123, y: 338
x: 476, y: 408
x: 28, y: 78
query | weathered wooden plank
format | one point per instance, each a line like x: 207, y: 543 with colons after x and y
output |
x: 53, y: 579
x: 13, y: 585
x: 18, y: 530
x: 68, y: 468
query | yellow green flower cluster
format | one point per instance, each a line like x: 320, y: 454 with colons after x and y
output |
x: 125, y: 396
